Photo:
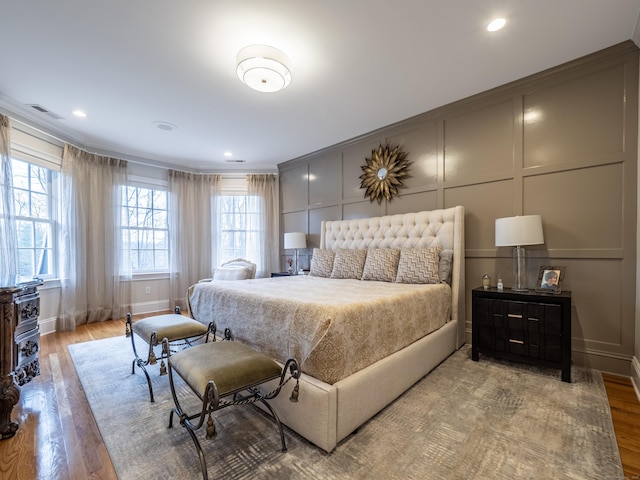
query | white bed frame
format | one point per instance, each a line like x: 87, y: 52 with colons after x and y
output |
x: 326, y: 414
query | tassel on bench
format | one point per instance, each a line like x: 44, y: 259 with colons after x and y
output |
x: 295, y: 393
x: 211, y: 428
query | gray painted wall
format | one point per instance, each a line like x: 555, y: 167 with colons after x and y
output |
x: 561, y: 143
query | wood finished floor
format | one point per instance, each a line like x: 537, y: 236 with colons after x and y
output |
x: 59, y: 439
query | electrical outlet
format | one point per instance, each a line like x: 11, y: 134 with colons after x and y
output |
x: 147, y: 290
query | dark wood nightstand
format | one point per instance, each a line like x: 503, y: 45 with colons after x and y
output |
x: 281, y: 274
x: 528, y: 327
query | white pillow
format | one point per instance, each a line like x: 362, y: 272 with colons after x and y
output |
x: 446, y: 266
x: 232, y: 273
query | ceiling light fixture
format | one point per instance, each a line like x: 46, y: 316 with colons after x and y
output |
x: 263, y: 68
x: 496, y: 24
x: 79, y: 113
x: 164, y: 126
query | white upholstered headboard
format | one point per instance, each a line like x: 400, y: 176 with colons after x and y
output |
x: 443, y: 227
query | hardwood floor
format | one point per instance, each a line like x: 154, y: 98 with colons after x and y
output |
x: 625, y: 412
x: 59, y: 439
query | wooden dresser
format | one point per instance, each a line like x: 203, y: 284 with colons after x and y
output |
x: 19, y: 344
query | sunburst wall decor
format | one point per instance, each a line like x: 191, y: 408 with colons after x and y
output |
x: 383, y: 171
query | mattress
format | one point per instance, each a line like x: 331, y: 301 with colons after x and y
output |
x: 333, y: 327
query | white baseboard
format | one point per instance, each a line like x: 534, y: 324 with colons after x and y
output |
x: 150, y: 307
x: 47, y: 325
x: 635, y: 375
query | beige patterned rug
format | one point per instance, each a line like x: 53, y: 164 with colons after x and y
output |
x: 465, y: 420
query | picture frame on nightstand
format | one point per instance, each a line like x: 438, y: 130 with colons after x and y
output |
x: 550, y: 279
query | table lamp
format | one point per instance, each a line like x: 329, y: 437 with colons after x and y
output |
x: 518, y: 232
x: 295, y: 240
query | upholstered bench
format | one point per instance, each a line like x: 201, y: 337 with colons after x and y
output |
x: 181, y: 332
x: 225, y: 369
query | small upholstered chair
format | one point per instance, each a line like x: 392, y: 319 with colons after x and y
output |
x: 236, y: 269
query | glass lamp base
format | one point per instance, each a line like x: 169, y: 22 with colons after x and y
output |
x: 519, y: 270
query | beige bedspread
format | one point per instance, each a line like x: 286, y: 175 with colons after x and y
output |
x: 333, y: 327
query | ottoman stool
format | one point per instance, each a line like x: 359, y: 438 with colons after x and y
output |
x: 181, y: 332
x: 222, y: 369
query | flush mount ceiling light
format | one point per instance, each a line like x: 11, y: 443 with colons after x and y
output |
x: 263, y: 68
x: 496, y: 24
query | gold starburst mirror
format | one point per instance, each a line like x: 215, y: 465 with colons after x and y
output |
x: 383, y: 171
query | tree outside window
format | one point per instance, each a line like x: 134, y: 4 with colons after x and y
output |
x: 33, y: 206
x: 145, y: 229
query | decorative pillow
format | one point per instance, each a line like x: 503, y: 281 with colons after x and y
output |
x: 381, y: 264
x: 348, y: 263
x: 419, y: 265
x: 444, y: 270
x: 322, y: 262
x: 232, y: 273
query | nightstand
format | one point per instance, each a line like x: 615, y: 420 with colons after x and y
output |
x: 281, y: 274
x: 528, y: 327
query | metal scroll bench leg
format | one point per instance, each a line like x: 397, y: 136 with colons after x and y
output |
x: 181, y: 332
x: 223, y: 374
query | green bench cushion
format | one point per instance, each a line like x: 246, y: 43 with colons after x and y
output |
x: 172, y: 326
x: 231, y: 365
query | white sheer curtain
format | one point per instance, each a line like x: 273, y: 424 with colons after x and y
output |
x: 8, y: 230
x: 266, y: 244
x: 190, y: 226
x: 95, y: 281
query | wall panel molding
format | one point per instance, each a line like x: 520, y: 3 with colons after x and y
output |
x: 561, y: 143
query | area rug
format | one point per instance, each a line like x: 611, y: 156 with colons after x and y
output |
x: 465, y: 420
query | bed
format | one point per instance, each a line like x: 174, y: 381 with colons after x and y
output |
x: 360, y: 341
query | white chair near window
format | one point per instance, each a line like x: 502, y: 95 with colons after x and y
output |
x: 236, y: 269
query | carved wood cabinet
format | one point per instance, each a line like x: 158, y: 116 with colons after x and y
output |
x: 19, y: 345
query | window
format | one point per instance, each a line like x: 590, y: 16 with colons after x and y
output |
x: 33, y: 188
x: 239, y: 219
x: 146, y: 230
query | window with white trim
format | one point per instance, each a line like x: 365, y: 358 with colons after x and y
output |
x: 146, y: 229
x: 239, y: 220
x: 34, y: 208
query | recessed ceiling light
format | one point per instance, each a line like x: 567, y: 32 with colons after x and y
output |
x: 165, y: 126
x: 496, y: 24
x: 79, y: 113
x: 228, y: 154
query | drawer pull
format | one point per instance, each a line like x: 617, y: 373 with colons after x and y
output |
x: 520, y: 342
x: 513, y: 315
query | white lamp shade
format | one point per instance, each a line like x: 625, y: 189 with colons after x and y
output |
x: 518, y: 231
x: 295, y: 240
